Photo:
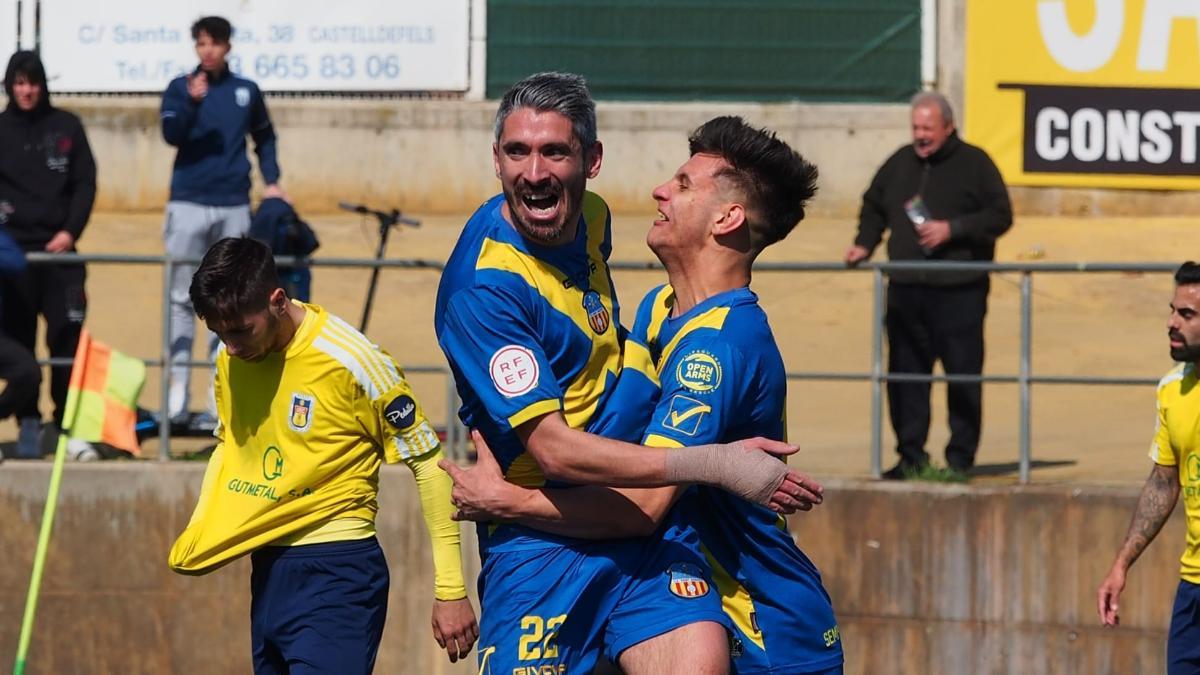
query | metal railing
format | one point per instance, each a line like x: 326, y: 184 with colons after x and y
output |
x: 877, y: 376
x: 1024, y: 378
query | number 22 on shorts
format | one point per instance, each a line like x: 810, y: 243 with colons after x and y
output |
x: 537, y: 638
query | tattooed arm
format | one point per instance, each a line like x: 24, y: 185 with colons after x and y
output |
x: 1153, y: 508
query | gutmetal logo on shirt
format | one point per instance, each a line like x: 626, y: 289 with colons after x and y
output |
x: 687, y: 581
x: 699, y: 371
x: 301, y: 414
x: 272, y: 463
x: 597, y: 313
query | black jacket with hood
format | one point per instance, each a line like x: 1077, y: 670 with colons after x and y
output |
x: 47, y: 172
x: 958, y: 183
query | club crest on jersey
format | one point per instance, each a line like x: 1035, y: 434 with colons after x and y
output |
x: 242, y: 96
x: 301, y: 414
x: 687, y: 581
x: 514, y: 370
x: 699, y: 371
x: 597, y: 313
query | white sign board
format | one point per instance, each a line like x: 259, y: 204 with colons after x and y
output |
x: 8, y: 32
x: 283, y: 45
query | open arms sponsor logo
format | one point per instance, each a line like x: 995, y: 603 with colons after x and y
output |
x: 699, y: 371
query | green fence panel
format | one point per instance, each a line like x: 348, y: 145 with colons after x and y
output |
x: 763, y: 50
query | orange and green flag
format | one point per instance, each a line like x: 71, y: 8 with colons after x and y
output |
x: 101, y: 407
x: 103, y: 395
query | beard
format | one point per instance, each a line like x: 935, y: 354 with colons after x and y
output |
x: 525, y: 201
x: 542, y: 233
x: 1189, y: 353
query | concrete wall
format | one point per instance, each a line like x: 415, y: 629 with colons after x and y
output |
x: 927, y: 579
x: 110, y: 605
x: 435, y: 155
x: 935, y: 580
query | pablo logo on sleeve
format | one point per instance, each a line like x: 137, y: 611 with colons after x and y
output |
x: 401, y: 412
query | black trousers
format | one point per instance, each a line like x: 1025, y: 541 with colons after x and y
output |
x: 927, y: 324
x: 21, y: 375
x: 56, y: 292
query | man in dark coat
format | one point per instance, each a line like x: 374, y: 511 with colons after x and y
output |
x: 941, y: 199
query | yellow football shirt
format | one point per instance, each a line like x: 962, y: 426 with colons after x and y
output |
x: 302, y: 435
x: 1177, y: 443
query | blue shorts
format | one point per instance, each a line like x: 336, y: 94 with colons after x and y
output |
x: 317, y: 608
x: 1183, y: 640
x: 788, y: 627
x: 557, y: 609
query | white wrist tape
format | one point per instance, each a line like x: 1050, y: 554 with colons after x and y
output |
x: 753, y: 475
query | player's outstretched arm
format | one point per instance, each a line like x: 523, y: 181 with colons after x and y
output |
x: 588, y: 512
x: 454, y: 624
x: 1154, y: 506
x: 749, y: 469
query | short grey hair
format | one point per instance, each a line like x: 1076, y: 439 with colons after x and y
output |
x: 933, y: 98
x: 564, y: 93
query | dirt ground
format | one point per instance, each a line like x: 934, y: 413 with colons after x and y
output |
x: 1098, y: 324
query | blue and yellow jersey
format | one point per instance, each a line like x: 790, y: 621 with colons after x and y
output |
x: 529, y: 330
x: 301, y: 437
x: 1177, y: 443
x: 722, y: 379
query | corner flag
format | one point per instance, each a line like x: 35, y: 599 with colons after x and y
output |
x: 101, y: 406
x: 103, y: 394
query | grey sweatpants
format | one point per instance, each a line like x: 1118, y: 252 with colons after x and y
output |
x: 188, y: 233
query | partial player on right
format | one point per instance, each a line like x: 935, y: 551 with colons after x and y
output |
x: 1175, y: 451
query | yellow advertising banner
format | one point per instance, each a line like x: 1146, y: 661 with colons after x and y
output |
x: 1086, y: 93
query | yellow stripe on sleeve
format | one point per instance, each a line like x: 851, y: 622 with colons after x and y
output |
x: 534, y: 410
x: 656, y: 441
x: 713, y: 318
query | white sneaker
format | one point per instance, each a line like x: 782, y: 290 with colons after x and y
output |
x: 80, y: 450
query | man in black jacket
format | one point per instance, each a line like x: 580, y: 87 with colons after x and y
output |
x: 941, y: 199
x: 18, y: 367
x: 47, y: 186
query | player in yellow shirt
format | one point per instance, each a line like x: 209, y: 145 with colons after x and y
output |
x: 1176, y: 454
x: 308, y: 410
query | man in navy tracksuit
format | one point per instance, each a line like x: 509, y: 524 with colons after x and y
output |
x: 207, y: 115
x: 47, y: 188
